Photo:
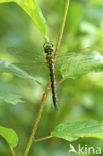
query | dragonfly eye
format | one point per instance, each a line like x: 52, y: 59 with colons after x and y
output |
x: 48, y: 47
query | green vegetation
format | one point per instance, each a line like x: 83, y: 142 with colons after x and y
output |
x: 27, y: 114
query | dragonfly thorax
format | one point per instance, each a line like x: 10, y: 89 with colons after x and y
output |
x: 48, y: 48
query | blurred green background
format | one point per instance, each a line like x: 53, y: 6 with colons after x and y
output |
x: 80, y: 99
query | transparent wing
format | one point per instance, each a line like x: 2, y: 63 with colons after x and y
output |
x: 68, y: 56
x: 72, y: 62
x: 29, y: 57
x: 25, y: 56
x: 82, y: 54
x: 30, y: 62
x: 78, y: 63
x: 34, y: 69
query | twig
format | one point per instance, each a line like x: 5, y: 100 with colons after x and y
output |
x: 12, y: 150
x: 47, y: 88
x: 42, y: 139
x: 60, y: 82
x: 37, y: 121
x: 62, y: 27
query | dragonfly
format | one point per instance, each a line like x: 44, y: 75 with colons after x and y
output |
x: 71, y: 63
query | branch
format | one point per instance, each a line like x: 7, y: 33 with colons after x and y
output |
x: 12, y: 150
x: 42, y: 139
x: 60, y: 82
x: 37, y: 120
x: 62, y: 27
x: 47, y: 88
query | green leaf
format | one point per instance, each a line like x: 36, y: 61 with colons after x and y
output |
x: 10, y: 97
x: 75, y: 130
x: 32, y: 9
x: 5, y: 66
x: 9, y: 135
x: 79, y: 64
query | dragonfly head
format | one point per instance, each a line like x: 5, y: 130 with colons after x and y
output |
x: 48, y: 47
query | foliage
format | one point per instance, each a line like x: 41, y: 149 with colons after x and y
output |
x: 73, y: 131
x: 10, y: 98
x: 82, y: 63
x: 5, y: 66
x: 9, y: 135
x: 78, y: 99
x: 32, y: 9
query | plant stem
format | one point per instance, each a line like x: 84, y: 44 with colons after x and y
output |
x: 37, y: 120
x: 47, y: 88
x: 42, y: 139
x: 12, y: 150
x: 62, y: 27
x: 60, y: 82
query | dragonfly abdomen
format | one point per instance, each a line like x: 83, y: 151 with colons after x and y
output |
x: 51, y: 67
x: 53, y: 84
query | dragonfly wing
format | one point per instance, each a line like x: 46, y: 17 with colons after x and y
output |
x: 77, y: 63
x: 25, y: 56
x: 71, y: 65
x: 65, y: 57
x: 36, y: 70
